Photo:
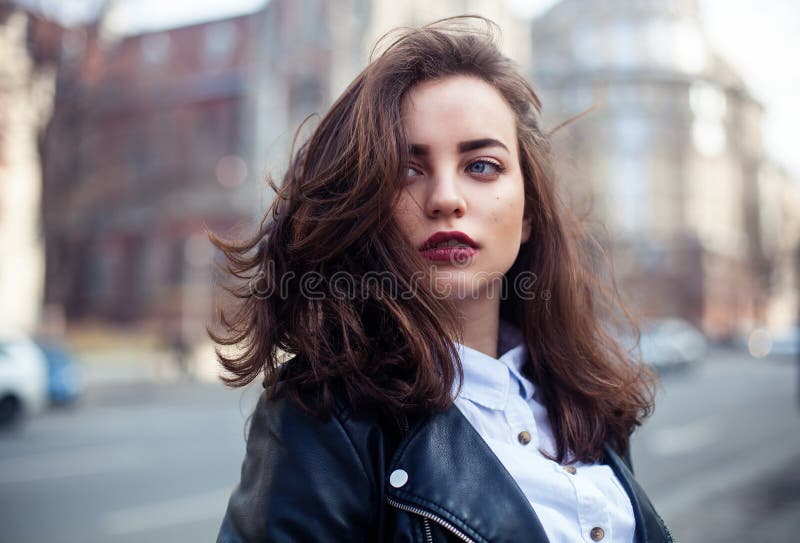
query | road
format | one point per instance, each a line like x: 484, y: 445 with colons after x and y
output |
x: 156, y: 462
x: 719, y: 457
x: 137, y: 463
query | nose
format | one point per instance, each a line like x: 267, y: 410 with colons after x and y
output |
x: 445, y: 198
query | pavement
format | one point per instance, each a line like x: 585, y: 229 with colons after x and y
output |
x: 121, y: 365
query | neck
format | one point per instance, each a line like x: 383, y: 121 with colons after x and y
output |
x: 481, y: 322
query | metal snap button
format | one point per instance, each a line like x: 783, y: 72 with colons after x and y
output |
x: 524, y: 437
x: 570, y: 469
x: 398, y: 478
x: 597, y: 533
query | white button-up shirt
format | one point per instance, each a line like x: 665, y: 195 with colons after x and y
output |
x: 579, y: 502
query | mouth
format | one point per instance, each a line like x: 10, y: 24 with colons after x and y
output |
x: 454, y: 238
x: 454, y: 247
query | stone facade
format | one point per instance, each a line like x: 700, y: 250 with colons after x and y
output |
x: 668, y: 156
x: 27, y: 81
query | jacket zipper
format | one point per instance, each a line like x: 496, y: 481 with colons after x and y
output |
x: 427, y: 525
x: 428, y: 515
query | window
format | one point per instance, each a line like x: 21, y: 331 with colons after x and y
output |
x: 708, y: 104
x: 690, y: 48
x: 622, y: 43
x: 628, y: 200
x: 707, y: 101
x: 631, y: 133
x: 219, y: 42
x: 708, y: 137
x: 155, y: 48
x: 306, y: 96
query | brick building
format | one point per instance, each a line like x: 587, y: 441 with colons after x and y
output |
x: 156, y: 136
x: 144, y: 148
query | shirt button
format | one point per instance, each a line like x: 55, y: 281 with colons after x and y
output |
x: 597, y: 533
x: 570, y: 469
x: 524, y: 437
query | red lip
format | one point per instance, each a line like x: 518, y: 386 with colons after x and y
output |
x: 440, y: 237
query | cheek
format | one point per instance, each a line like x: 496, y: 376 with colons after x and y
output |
x: 507, y: 212
x: 405, y: 217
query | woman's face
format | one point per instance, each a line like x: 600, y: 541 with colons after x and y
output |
x: 463, y: 176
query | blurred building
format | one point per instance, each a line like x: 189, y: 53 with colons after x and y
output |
x: 669, y: 157
x: 779, y: 217
x: 317, y: 47
x: 148, y: 145
x: 356, y: 26
x: 158, y: 134
x: 29, y: 52
x: 290, y: 80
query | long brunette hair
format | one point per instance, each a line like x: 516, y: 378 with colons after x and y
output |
x: 328, y: 278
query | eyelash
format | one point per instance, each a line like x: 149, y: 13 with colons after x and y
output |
x: 498, y: 167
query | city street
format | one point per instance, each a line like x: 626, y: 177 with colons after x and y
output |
x: 174, y: 172
x: 719, y: 457
x: 156, y: 461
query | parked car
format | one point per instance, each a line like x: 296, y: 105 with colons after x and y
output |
x: 65, y: 382
x: 658, y: 353
x: 23, y: 378
x: 786, y: 342
x: 671, y: 344
x: 689, y: 343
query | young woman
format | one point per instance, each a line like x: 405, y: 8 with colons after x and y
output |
x: 429, y: 325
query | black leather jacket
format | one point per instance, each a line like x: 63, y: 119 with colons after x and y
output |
x: 350, y: 479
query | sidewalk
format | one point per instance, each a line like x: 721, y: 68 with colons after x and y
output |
x: 128, y: 365
x: 763, y: 511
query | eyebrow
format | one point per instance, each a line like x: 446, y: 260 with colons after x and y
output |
x: 463, y: 147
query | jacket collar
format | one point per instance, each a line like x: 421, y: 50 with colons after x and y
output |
x: 650, y: 528
x: 449, y: 472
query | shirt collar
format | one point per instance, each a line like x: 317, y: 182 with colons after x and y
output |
x: 489, y: 381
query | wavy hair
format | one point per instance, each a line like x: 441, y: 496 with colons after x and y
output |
x: 328, y: 279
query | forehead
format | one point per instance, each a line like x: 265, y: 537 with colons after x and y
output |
x: 459, y: 106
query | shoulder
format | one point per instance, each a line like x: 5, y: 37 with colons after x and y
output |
x: 293, y: 474
x: 296, y: 420
x: 303, y: 407
x: 355, y: 439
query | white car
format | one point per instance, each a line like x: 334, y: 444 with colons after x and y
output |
x: 672, y: 344
x: 23, y: 378
x: 667, y: 344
